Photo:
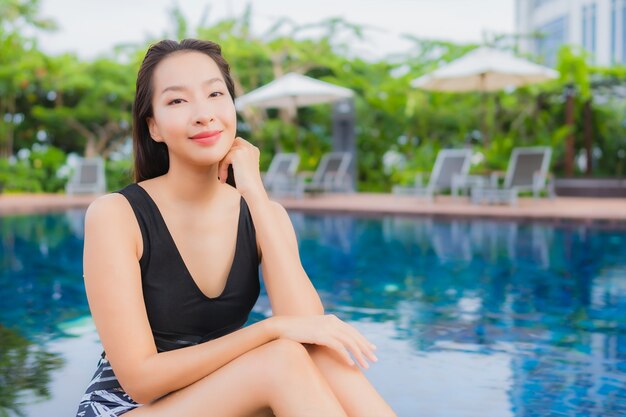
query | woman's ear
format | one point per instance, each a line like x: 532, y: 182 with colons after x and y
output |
x: 154, y: 130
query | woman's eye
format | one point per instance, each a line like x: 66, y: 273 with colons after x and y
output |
x: 175, y: 101
x: 216, y: 94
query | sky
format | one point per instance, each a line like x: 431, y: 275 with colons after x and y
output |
x: 93, y: 27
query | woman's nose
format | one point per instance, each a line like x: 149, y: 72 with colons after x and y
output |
x: 205, y: 114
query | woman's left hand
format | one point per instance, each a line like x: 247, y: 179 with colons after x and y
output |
x: 244, y: 157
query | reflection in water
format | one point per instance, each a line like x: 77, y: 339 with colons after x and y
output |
x: 550, y: 298
x: 461, y: 240
x: 24, y: 368
x: 40, y: 287
x: 75, y: 219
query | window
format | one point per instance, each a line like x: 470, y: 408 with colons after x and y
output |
x: 553, y: 35
x: 593, y: 28
x: 538, y: 3
x: 589, y: 28
x: 623, y: 32
x: 585, y: 30
x: 614, y: 59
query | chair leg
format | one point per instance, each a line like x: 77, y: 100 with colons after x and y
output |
x: 513, y: 198
x: 474, y: 195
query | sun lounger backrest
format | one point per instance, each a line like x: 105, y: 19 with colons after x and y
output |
x: 284, y: 164
x: 88, y: 173
x: 449, y: 162
x: 332, y: 165
x: 89, y: 177
x: 525, y: 162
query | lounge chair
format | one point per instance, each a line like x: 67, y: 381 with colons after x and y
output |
x: 331, y: 175
x: 527, y: 172
x: 88, y: 178
x: 451, y: 165
x: 280, y: 177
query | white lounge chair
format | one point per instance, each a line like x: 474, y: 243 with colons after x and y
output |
x: 280, y: 177
x: 450, y: 165
x: 331, y: 175
x: 527, y: 172
x: 88, y: 178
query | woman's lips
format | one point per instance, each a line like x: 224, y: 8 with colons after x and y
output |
x: 207, y: 138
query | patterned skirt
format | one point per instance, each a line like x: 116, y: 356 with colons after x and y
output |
x: 105, y: 397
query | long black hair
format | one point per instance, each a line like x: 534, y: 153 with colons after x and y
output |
x: 150, y: 157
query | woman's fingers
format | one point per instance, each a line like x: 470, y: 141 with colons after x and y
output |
x: 334, y: 333
x: 365, y: 345
x: 222, y: 168
x: 350, y: 337
x: 353, y: 347
x: 239, y: 140
x: 340, y: 348
x: 239, y: 145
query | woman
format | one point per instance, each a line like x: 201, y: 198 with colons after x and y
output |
x: 171, y: 270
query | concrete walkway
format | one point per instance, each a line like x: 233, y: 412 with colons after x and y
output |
x: 561, y: 208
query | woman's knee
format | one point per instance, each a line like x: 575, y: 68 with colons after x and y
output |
x: 285, y: 358
x: 325, y: 356
x: 285, y: 351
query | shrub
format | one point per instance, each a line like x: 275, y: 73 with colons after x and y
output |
x: 118, y: 173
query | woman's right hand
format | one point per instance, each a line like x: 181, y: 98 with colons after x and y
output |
x: 326, y: 330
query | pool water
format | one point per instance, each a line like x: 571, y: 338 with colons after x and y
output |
x: 471, y: 317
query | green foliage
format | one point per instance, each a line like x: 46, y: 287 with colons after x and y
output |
x: 118, y: 174
x: 24, y: 368
x: 611, y: 134
x: 498, y: 154
x: 573, y: 69
x: 90, y: 112
x: 35, y: 173
x: 18, y: 177
x: 46, y: 162
x: 85, y: 106
x: 422, y: 161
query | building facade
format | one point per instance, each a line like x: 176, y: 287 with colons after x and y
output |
x: 599, y: 26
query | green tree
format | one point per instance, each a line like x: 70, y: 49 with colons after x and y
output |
x: 18, y: 61
x: 92, y: 103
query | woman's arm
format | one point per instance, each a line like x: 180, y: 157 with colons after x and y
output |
x: 288, y: 286
x: 113, y: 285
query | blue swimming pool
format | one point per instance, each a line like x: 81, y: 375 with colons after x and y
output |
x: 472, y: 317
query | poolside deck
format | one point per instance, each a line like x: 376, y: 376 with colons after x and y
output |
x: 561, y: 208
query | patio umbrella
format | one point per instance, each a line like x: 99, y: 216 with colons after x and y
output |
x: 292, y: 91
x: 484, y: 70
x: 295, y: 90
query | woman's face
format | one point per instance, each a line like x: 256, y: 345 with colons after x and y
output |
x: 190, y: 98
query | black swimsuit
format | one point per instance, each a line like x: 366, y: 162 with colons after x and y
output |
x: 180, y: 314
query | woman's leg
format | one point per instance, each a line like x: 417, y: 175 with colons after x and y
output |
x: 278, y: 376
x: 355, y: 393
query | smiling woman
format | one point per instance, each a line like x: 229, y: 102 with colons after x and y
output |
x: 171, y: 270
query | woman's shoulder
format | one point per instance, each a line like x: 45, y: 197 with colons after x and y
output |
x: 110, y: 218
x: 112, y: 208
